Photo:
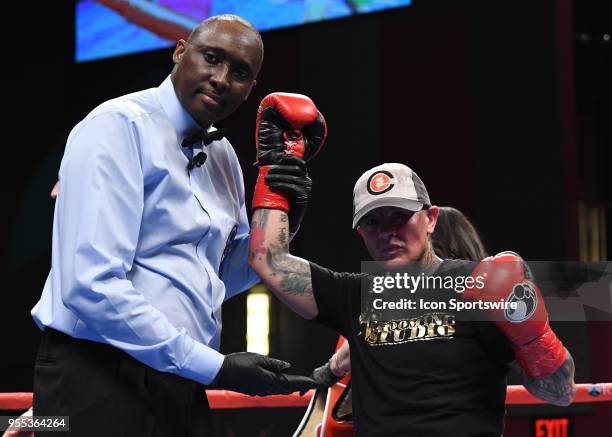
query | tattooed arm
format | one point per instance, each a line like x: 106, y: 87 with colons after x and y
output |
x: 557, y: 389
x: 287, y: 276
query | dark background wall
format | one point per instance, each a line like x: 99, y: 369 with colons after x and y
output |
x: 478, y: 97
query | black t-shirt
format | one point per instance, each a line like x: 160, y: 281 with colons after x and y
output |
x: 428, y: 375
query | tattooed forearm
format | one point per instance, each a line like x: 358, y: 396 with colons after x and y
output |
x: 270, y: 246
x: 558, y: 388
x: 287, y: 276
x: 294, y: 274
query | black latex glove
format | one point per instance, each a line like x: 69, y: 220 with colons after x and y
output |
x: 290, y: 177
x: 258, y: 375
x: 324, y: 377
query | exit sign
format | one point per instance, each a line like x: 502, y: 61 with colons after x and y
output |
x: 553, y: 427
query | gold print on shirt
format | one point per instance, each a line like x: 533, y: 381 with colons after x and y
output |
x: 426, y: 327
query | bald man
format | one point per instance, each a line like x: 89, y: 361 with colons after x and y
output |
x: 150, y: 236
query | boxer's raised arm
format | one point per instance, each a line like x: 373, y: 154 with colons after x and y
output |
x: 289, y: 131
x: 287, y: 276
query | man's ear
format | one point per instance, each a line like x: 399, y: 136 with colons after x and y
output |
x: 432, y: 218
x: 179, y: 51
x: 360, y: 231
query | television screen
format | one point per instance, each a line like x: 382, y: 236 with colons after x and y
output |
x: 106, y: 28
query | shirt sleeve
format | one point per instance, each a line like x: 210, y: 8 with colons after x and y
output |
x: 98, y: 218
x: 235, y: 271
x: 338, y: 297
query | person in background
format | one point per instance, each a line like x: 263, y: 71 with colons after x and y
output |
x: 455, y: 237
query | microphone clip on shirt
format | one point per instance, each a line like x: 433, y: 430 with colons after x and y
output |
x: 206, y: 138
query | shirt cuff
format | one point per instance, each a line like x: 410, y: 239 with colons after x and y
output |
x: 202, y: 364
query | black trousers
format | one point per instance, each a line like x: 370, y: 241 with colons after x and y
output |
x: 105, y: 392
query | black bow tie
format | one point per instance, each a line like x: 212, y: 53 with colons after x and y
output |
x: 205, y: 137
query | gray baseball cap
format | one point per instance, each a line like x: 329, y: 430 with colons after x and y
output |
x: 390, y: 184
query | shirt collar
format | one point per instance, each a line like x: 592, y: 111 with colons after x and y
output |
x: 182, y: 122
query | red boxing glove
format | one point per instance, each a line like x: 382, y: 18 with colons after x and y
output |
x: 507, y: 278
x: 287, y: 124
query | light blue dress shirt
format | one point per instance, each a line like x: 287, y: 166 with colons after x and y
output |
x: 139, y: 242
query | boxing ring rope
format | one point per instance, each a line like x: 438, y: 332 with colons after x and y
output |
x: 225, y: 399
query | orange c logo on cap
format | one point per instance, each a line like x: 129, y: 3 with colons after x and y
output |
x: 380, y: 182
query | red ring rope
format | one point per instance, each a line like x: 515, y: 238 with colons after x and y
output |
x: 225, y: 399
